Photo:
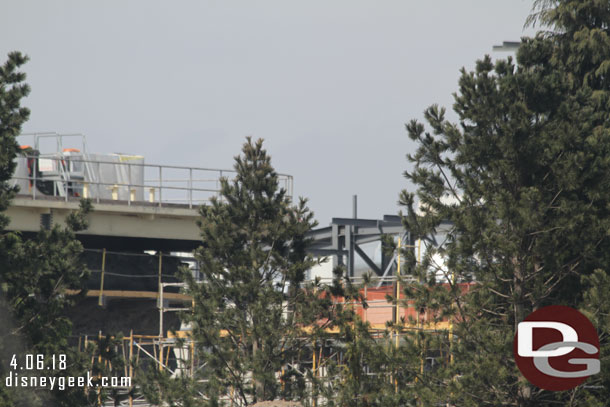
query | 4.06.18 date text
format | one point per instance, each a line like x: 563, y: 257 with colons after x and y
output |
x: 39, y: 362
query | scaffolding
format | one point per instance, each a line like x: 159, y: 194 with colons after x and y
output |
x: 174, y: 350
x: 169, y: 351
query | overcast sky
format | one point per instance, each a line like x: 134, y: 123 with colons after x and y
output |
x: 329, y: 84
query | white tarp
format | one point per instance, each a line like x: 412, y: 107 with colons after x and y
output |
x: 120, y: 172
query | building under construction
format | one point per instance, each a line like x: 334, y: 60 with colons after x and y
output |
x: 141, y: 236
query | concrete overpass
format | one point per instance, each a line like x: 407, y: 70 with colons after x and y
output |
x: 136, y: 206
x: 113, y: 225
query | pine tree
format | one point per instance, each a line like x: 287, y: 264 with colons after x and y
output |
x: 35, y: 273
x: 523, y: 179
x: 12, y: 117
x: 251, y: 308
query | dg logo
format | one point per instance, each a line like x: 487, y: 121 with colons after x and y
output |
x: 556, y: 348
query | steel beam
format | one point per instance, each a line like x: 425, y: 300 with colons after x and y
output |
x: 349, y: 245
x: 367, y: 259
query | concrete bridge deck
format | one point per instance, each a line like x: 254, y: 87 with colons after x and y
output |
x: 113, y: 224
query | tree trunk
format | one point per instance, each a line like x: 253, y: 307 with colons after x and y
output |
x: 525, y: 390
x: 259, y: 388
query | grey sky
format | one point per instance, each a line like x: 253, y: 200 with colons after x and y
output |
x: 328, y: 84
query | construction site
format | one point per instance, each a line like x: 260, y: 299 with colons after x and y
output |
x: 141, y: 236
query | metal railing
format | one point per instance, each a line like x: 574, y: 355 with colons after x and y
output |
x: 54, y: 141
x: 159, y: 184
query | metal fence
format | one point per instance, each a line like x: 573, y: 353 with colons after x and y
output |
x: 69, y: 177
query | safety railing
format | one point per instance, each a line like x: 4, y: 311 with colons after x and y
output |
x: 124, y: 182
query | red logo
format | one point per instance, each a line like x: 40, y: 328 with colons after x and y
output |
x: 556, y: 348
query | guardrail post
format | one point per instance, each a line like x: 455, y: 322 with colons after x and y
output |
x: 129, y: 198
x: 218, y: 186
x: 160, y: 185
x: 35, y: 167
x: 190, y: 187
x: 97, y: 183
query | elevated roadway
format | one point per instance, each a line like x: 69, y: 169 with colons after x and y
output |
x: 113, y: 224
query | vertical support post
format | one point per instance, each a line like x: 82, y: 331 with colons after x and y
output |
x: 384, y: 258
x: 397, y: 333
x: 100, y: 300
x: 161, y: 310
x: 398, y: 287
x: 338, y: 257
x: 190, y: 187
x: 450, y: 341
x: 192, y: 358
x: 160, y: 299
x: 193, y: 345
x: 314, y: 371
x: 160, y: 185
x: 291, y: 187
x: 35, y: 168
x: 130, y: 365
x: 218, y: 185
x: 423, y: 356
x: 366, y: 298
x: 420, y: 321
x: 453, y: 280
x: 160, y: 364
x: 98, y: 182
x: 350, y: 232
x: 99, y: 375
x: 129, y: 184
x: 349, y: 245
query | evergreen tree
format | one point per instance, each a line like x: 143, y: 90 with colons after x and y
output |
x: 35, y: 276
x: 523, y: 179
x: 365, y: 375
x: 251, y: 308
x: 12, y: 116
x: 35, y: 273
